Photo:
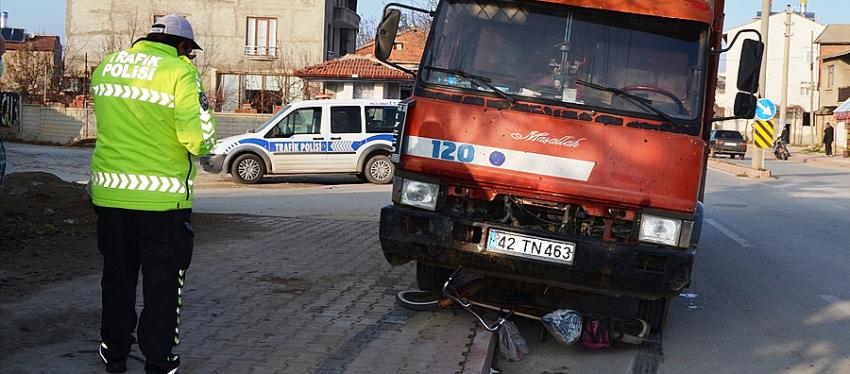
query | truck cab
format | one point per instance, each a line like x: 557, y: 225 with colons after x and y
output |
x: 558, y: 145
x: 313, y: 137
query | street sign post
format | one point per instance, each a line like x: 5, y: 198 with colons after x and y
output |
x: 765, y: 109
x: 763, y: 134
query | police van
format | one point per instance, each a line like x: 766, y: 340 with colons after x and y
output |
x: 313, y: 136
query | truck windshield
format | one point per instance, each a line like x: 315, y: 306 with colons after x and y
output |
x: 545, y: 53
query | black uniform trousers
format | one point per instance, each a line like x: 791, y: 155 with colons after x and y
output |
x: 160, y: 243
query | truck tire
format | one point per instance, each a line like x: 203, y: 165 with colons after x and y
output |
x: 654, y: 312
x: 431, y: 278
x: 248, y: 169
x: 379, y: 169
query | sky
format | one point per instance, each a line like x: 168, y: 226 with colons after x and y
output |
x: 48, y: 16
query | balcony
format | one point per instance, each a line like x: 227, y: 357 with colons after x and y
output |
x: 260, y: 52
x: 345, y: 18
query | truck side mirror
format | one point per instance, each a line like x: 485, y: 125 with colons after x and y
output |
x: 750, y: 68
x: 387, y: 31
x: 748, y: 76
x: 745, y: 105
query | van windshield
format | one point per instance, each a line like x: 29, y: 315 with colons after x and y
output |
x: 544, y: 52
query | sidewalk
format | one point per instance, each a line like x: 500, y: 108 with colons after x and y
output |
x: 803, y: 154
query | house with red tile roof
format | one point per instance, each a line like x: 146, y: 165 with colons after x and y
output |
x: 361, y: 75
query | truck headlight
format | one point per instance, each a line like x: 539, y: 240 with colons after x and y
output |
x: 419, y: 194
x: 660, y: 230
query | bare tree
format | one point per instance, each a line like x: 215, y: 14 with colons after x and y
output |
x: 290, y: 88
x: 422, y: 20
x: 32, y: 74
x: 366, y: 31
x: 126, y: 28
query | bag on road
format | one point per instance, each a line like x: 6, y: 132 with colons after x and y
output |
x: 596, y: 333
x: 564, y: 325
x: 511, y: 343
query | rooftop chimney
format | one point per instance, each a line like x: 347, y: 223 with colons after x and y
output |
x: 3, y: 17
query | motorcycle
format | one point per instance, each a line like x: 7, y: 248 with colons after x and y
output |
x: 780, y: 150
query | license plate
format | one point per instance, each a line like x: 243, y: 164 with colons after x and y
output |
x: 731, y: 144
x: 530, y: 247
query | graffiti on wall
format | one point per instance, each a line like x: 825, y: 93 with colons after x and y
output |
x: 10, y: 110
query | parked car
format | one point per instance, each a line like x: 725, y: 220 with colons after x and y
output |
x: 314, y: 136
x: 728, y: 142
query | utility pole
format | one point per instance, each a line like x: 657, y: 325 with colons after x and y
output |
x: 783, y: 115
x: 812, y: 88
x: 758, y: 155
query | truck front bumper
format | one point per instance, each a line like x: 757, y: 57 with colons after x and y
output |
x: 607, y: 268
x: 212, y: 163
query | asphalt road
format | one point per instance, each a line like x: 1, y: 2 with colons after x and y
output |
x: 770, y: 287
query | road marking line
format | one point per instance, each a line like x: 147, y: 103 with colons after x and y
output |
x: 841, y: 207
x: 728, y: 232
x: 844, y: 306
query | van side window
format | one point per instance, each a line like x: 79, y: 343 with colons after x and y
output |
x: 380, y: 118
x: 346, y: 120
x: 300, y: 121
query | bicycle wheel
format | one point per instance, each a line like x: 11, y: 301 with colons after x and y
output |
x: 418, y: 300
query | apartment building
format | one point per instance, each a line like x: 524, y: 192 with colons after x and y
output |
x: 251, y: 47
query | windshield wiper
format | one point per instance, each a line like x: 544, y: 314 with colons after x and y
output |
x: 480, y: 80
x: 644, y: 102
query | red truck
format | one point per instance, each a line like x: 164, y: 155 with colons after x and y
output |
x: 559, y: 145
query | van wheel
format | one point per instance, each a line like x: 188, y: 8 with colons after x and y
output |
x: 431, y: 278
x: 379, y: 169
x: 248, y: 169
x: 654, y: 312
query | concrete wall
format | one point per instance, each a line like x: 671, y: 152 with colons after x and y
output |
x: 68, y: 125
x: 56, y: 124
x: 306, y: 29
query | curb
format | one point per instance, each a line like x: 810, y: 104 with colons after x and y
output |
x: 827, y: 162
x: 479, y: 360
x: 739, y: 170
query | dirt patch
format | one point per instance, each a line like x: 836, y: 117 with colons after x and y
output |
x: 48, y: 233
x: 47, y: 239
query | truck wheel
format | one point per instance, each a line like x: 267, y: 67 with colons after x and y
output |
x: 379, y: 169
x: 654, y: 312
x: 431, y: 278
x: 248, y: 169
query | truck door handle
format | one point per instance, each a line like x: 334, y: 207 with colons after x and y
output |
x: 336, y: 138
x: 318, y: 138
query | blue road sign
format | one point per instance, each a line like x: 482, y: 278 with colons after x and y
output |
x: 765, y: 109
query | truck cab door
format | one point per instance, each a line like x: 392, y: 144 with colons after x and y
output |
x: 346, y: 129
x: 296, y: 143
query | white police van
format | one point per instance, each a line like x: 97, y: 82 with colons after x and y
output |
x: 313, y: 136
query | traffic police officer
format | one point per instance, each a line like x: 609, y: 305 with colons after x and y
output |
x: 153, y: 122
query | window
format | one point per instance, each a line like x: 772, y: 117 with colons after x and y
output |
x: 380, y: 118
x: 345, y: 120
x: 300, y: 121
x: 545, y: 53
x: 830, y: 76
x: 261, y: 37
x: 263, y: 93
x: 804, y: 88
x: 364, y: 90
